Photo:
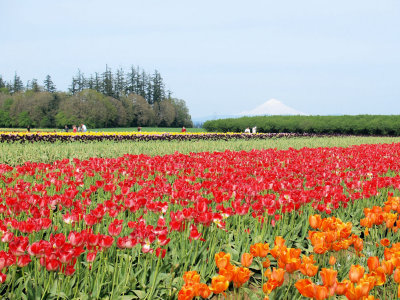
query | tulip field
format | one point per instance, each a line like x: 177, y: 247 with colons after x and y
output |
x: 264, y: 220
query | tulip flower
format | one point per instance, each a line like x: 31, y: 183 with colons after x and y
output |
x: 356, y: 273
x: 219, y: 284
x: 306, y: 287
x: 373, y: 263
x: 246, y: 259
x: 222, y: 259
x: 328, y: 277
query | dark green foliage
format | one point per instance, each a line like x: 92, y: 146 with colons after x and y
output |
x: 357, y: 125
x: 2, y: 83
x: 104, y: 100
x: 33, y: 85
x: 49, y: 85
x: 17, y: 85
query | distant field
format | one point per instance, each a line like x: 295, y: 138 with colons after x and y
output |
x: 127, y: 129
x: 15, y: 153
x: 146, y: 129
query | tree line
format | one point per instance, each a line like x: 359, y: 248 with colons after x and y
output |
x: 100, y: 100
x: 347, y: 124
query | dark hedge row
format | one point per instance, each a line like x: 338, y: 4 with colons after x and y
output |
x: 52, y: 138
x: 348, y: 125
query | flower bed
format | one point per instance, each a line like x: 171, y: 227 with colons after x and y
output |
x: 133, y: 225
x: 25, y: 137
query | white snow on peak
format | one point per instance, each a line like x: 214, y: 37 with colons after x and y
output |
x: 272, y: 107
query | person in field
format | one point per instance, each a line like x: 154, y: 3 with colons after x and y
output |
x: 83, y: 127
x: 254, y: 129
x: 66, y: 129
x: 183, y: 129
x: 247, y: 130
x: 74, y: 129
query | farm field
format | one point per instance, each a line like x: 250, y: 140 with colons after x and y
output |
x: 146, y: 129
x: 278, y: 218
x: 123, y: 129
x: 16, y: 153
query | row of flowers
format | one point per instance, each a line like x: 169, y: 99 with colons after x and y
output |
x: 292, y: 264
x: 22, y: 137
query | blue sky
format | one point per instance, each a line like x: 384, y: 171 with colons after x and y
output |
x: 222, y: 57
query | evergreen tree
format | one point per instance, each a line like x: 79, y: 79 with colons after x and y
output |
x: 49, y: 85
x: 74, y: 86
x: 138, y: 82
x: 33, y: 85
x: 9, y: 87
x: 90, y: 83
x: 2, y: 82
x: 107, y: 83
x: 119, y: 84
x: 80, y: 81
x: 131, y: 81
x: 158, y: 92
x: 97, y: 82
x: 17, y: 86
x: 142, y: 85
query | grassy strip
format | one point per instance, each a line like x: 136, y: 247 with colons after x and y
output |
x: 15, y: 154
x: 146, y: 129
x: 123, y: 129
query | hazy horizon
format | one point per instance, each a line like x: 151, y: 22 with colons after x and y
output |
x: 223, y: 57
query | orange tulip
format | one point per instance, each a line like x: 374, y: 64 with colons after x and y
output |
x: 268, y: 273
x: 366, y: 232
x: 370, y: 278
x: 356, y: 273
x: 380, y: 277
x: 342, y: 287
x: 387, y: 267
x: 242, y: 275
x: 385, y: 242
x: 266, y: 263
x: 332, y: 260
x: 259, y: 249
x: 358, y: 244
x: 396, y: 275
x: 246, y: 259
x: 289, y: 259
x: 222, y: 260
x: 279, y: 241
x: 356, y: 293
x: 309, y: 269
x: 269, y: 286
x: 307, y: 259
x: 186, y: 293
x: 328, y: 277
x: 315, y: 221
x: 306, y: 287
x: 219, y: 284
x: 321, y: 292
x: 204, y: 291
x: 277, y: 275
x: 373, y: 263
x: 191, y: 277
x: 229, y: 272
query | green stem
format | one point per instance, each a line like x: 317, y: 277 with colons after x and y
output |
x: 114, y: 275
x: 155, y: 279
x: 51, y: 275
